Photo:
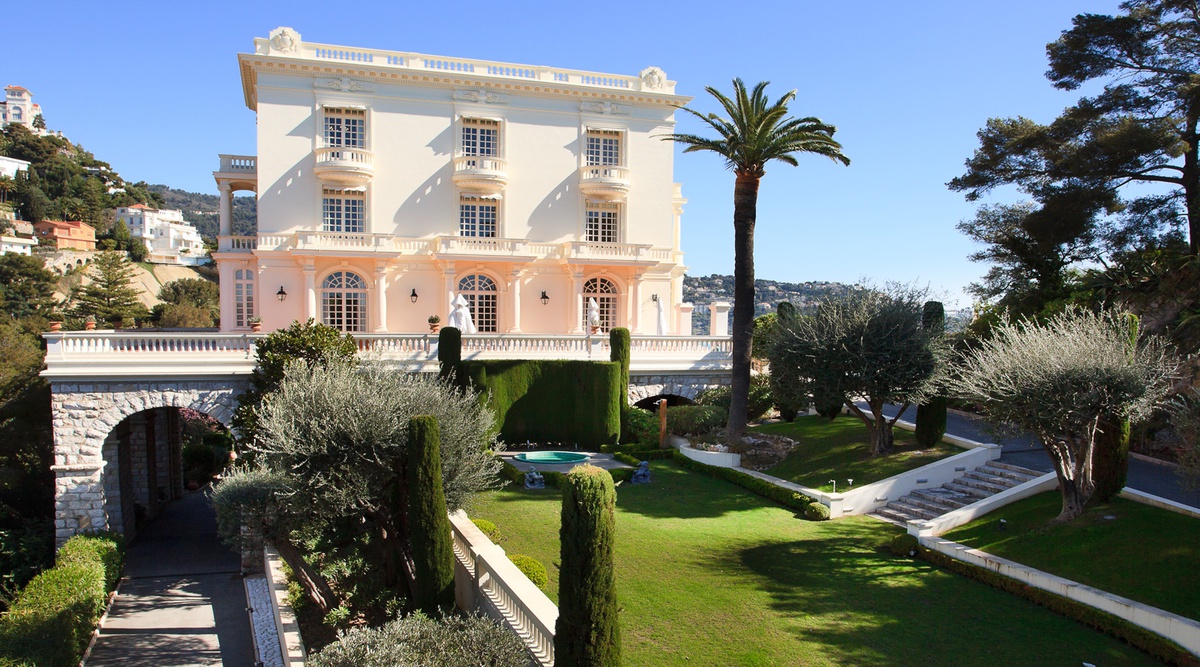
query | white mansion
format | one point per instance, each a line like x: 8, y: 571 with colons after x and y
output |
x: 389, y: 183
x: 168, y: 237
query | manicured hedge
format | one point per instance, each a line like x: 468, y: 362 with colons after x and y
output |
x: 639, y: 428
x: 789, y: 499
x: 1156, y: 645
x: 577, y: 402
x: 52, y: 619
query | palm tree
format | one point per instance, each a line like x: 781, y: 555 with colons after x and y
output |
x: 7, y: 185
x: 755, y: 133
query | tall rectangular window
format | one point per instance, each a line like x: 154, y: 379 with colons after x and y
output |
x: 477, y: 217
x: 480, y: 137
x: 243, y: 297
x: 345, y: 128
x: 343, y: 211
x: 603, y: 148
x: 603, y: 223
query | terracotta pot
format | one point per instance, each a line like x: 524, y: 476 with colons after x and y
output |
x: 433, y: 328
x: 595, y: 330
x: 89, y: 326
x: 256, y: 328
x: 56, y: 326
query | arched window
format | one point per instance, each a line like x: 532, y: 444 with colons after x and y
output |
x: 243, y: 297
x: 605, y: 294
x: 480, y: 292
x: 344, y: 301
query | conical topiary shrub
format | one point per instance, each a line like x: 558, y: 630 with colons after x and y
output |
x: 449, y: 351
x: 587, y: 633
x: 429, y: 527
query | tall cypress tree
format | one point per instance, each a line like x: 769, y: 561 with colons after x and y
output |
x: 618, y: 344
x: 449, y: 351
x: 931, y: 415
x: 587, y: 633
x: 429, y: 527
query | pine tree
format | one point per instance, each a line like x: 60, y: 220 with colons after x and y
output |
x: 587, y: 633
x: 429, y: 527
x: 110, y: 296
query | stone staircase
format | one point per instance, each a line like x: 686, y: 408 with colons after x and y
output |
x: 972, y: 486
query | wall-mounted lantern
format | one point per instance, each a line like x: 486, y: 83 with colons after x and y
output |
x: 413, y: 297
x: 545, y: 299
x: 281, y: 295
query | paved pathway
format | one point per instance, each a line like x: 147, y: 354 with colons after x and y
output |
x: 1023, y: 450
x: 181, y: 601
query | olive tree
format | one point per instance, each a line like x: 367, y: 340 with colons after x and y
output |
x: 867, y: 344
x: 339, y: 429
x: 1063, y: 380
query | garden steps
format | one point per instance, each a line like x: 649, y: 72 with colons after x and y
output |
x: 971, y: 486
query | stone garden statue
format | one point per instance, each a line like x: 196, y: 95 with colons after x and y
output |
x: 533, y: 479
x: 642, y: 474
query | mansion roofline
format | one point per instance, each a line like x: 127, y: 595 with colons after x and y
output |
x: 284, y: 51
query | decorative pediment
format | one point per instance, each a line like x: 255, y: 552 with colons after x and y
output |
x: 606, y: 108
x: 653, y: 78
x: 480, y: 97
x: 284, y: 40
x: 344, y: 84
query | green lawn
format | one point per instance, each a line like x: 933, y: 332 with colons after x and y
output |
x: 839, y: 450
x: 709, y: 574
x: 1143, y: 553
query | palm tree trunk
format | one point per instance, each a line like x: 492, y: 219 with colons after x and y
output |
x: 745, y: 212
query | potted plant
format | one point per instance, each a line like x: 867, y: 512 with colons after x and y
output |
x: 89, y: 323
x: 255, y: 324
x: 55, y: 320
x: 434, y: 322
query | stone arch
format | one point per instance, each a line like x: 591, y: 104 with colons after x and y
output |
x: 85, y: 414
x: 687, y: 387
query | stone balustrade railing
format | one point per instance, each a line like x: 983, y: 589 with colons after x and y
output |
x: 427, y: 63
x: 239, y: 163
x: 486, y: 580
x: 134, y: 353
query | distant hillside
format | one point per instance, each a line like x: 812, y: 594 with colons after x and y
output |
x: 204, y: 211
x: 703, y: 290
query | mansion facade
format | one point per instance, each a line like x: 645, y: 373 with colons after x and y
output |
x: 390, y: 183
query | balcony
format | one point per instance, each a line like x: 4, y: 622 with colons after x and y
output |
x: 604, y: 182
x: 344, y: 166
x: 344, y: 241
x: 484, y: 175
x: 239, y: 172
x: 237, y: 243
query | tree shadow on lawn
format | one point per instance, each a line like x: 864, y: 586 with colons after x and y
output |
x: 867, y: 607
x: 673, y: 493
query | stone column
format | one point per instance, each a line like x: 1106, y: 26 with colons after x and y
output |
x: 635, y: 324
x: 514, y: 290
x: 448, y: 295
x: 576, y: 306
x: 226, y: 210
x: 310, y: 291
x: 719, y: 324
x: 685, y: 319
x: 380, y: 296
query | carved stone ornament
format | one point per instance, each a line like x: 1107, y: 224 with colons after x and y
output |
x: 344, y: 84
x: 606, y: 108
x: 480, y: 97
x: 285, y: 40
x: 653, y: 78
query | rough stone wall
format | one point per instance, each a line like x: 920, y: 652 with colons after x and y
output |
x: 687, y: 386
x: 86, y: 413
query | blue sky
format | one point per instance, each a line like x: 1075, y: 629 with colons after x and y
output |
x: 154, y: 89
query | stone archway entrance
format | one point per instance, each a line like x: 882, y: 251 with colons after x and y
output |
x: 104, y: 464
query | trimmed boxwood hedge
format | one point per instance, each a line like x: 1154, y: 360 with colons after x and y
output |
x: 577, y: 402
x: 52, y: 619
x: 1156, y: 645
x: 789, y: 499
x: 695, y: 419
